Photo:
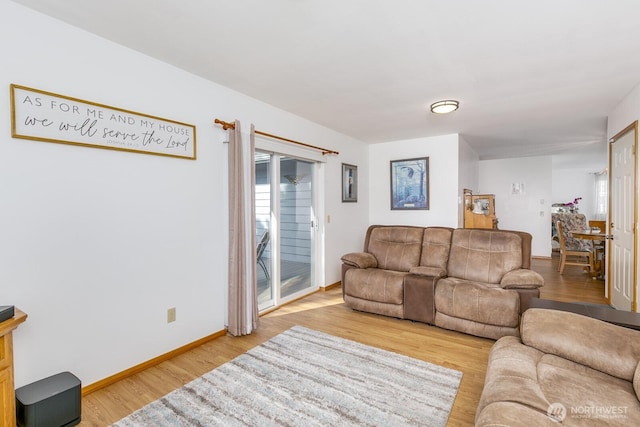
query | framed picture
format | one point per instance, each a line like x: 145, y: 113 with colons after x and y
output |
x: 349, y: 183
x: 481, y: 206
x: 410, y: 184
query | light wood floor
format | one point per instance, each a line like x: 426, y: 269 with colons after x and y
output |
x: 325, y: 311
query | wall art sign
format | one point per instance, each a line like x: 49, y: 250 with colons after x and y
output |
x: 44, y: 116
x: 410, y: 184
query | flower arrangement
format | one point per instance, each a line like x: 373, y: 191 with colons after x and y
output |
x: 573, y: 206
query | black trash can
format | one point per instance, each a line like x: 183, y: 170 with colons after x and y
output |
x: 51, y: 402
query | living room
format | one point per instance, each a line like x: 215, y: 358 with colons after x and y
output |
x: 98, y: 244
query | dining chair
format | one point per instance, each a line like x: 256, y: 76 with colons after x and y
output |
x: 599, y: 246
x: 576, y: 254
x: 262, y: 245
x: 570, y: 221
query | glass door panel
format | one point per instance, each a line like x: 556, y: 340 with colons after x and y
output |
x: 296, y: 226
x: 264, y: 273
x: 284, y: 227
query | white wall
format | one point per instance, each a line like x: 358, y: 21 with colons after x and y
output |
x: 443, y: 184
x: 345, y: 224
x: 625, y: 113
x: 530, y: 211
x: 468, y: 167
x: 573, y: 175
x: 569, y: 184
x: 97, y: 244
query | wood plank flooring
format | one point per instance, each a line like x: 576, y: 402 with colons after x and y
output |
x: 294, y: 276
x: 325, y: 311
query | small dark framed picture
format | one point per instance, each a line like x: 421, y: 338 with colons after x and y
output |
x: 410, y: 184
x: 349, y: 183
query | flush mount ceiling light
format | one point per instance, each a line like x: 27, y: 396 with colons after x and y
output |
x: 444, y: 107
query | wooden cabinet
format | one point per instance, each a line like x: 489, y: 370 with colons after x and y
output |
x: 6, y: 398
x: 480, y: 210
x: 7, y: 389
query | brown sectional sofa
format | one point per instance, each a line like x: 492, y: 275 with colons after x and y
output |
x: 474, y: 281
x: 564, y: 369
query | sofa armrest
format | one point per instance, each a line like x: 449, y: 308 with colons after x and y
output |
x: 603, y: 346
x: 522, y: 279
x: 360, y: 260
x: 428, y: 271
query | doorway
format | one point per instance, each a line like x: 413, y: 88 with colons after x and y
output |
x: 285, y: 227
x: 622, y: 242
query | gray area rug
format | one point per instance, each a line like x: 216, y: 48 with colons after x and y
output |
x: 304, y: 377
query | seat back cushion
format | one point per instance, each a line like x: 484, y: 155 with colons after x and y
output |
x: 603, y: 346
x: 395, y: 248
x: 484, y: 255
x: 526, y: 247
x: 436, y: 243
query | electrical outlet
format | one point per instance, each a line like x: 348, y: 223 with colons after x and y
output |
x: 171, y: 315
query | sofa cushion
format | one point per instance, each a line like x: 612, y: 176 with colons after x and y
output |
x: 522, y: 279
x: 590, y: 342
x: 583, y: 391
x: 484, y: 255
x: 396, y: 248
x: 512, y: 376
x: 477, y: 302
x: 513, y: 414
x: 375, y: 285
x: 436, y: 243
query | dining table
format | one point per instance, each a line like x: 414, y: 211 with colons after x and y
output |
x: 598, y: 267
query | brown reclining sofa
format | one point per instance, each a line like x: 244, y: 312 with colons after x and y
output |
x: 565, y: 369
x: 470, y: 280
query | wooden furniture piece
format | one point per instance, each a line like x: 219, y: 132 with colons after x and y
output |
x: 598, y: 227
x: 598, y: 255
x: 480, y: 210
x: 602, y: 312
x: 598, y: 224
x: 7, y: 389
x: 575, y: 254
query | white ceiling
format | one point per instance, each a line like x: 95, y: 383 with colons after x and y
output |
x: 532, y: 77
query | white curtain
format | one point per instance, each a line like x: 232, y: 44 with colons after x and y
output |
x: 243, y: 300
x: 601, y: 196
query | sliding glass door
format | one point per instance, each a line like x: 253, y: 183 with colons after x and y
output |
x: 285, y: 227
x: 264, y: 270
